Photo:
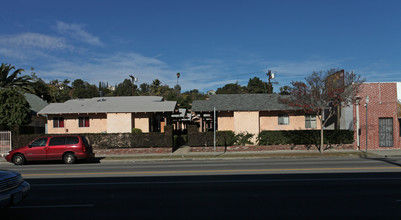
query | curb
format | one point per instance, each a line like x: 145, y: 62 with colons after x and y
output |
x: 234, y: 156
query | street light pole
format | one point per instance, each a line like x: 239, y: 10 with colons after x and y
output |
x: 367, y: 102
x: 214, y: 130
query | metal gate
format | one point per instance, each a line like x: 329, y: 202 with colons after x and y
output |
x: 5, y: 142
x: 386, y: 132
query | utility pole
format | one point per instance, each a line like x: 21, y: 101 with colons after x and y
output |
x: 270, y: 76
x: 133, y: 80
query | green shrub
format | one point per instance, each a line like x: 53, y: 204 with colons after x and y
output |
x: 225, y: 138
x: 305, y: 137
x: 243, y: 138
x: 136, y: 131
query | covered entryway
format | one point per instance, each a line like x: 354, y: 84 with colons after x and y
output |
x: 386, y: 132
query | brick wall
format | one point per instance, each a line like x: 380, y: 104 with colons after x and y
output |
x: 382, y: 104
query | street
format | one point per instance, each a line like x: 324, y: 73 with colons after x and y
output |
x: 229, y: 189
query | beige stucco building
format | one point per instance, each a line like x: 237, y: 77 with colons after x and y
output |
x: 109, y: 115
x: 251, y: 113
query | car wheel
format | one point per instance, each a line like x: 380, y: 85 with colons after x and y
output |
x: 69, y: 158
x: 18, y: 159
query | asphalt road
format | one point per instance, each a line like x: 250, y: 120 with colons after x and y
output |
x: 131, y: 168
x: 233, y: 189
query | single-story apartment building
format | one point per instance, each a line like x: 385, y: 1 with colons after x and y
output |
x: 251, y: 113
x: 109, y: 115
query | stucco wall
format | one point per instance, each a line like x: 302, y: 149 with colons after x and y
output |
x: 269, y: 122
x: 141, y: 121
x: 225, y: 121
x: 246, y: 122
x: 97, y: 124
x: 119, y: 123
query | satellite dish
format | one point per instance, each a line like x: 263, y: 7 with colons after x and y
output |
x: 272, y: 75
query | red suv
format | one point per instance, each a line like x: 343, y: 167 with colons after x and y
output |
x: 68, y: 148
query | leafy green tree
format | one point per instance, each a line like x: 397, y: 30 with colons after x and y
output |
x: 322, y: 92
x: 184, y: 100
x: 82, y: 89
x: 256, y: 85
x: 14, y: 109
x: 231, y: 88
x: 177, y: 89
x: 8, y: 80
x: 41, y: 89
x: 285, y: 90
x: 155, y: 87
x: 145, y: 89
x: 59, y: 91
x: 124, y: 88
x: 104, y: 89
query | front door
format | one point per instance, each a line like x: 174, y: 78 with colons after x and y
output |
x: 37, y: 150
x: 386, y: 132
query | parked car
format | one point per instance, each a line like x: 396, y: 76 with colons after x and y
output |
x: 68, y: 148
x: 13, y: 188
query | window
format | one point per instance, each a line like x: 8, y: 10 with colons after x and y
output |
x: 386, y: 138
x: 57, y: 141
x: 283, y: 119
x: 83, y: 121
x: 72, y: 140
x: 310, y: 121
x: 39, y: 142
x: 58, y: 122
x: 85, y: 141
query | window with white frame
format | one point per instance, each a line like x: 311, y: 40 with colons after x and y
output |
x: 283, y: 119
x: 310, y: 121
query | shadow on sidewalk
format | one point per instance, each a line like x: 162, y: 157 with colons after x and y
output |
x: 386, y: 160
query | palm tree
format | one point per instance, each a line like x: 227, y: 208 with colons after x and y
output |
x: 178, y: 76
x: 13, y: 80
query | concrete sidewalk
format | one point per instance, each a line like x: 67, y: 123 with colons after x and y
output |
x: 185, y: 154
x: 386, y: 153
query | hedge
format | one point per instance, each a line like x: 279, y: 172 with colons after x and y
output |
x: 223, y: 138
x: 107, y: 141
x: 305, y: 137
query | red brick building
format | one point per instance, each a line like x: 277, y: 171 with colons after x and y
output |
x: 384, y: 116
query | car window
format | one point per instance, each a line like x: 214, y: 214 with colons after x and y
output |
x: 57, y: 141
x: 85, y: 141
x: 72, y: 140
x: 39, y: 142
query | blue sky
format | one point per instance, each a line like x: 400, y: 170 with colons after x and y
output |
x: 211, y: 43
